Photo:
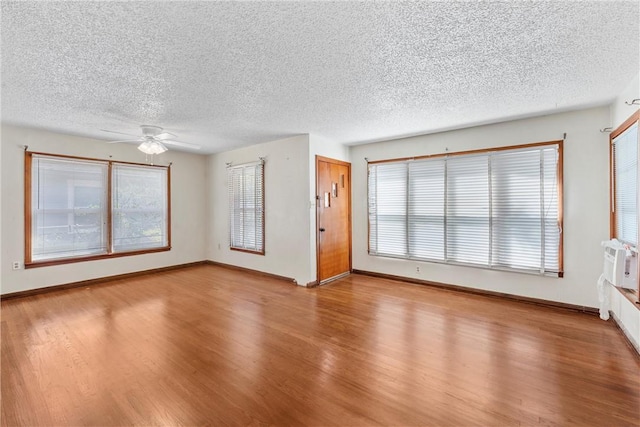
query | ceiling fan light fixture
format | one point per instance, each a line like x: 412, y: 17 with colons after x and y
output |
x: 152, y: 147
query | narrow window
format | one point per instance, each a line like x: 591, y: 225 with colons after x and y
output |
x: 624, y: 146
x: 496, y: 208
x: 246, y: 207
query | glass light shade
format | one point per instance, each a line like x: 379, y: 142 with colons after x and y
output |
x: 152, y: 147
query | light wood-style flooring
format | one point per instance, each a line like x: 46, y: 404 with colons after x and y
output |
x: 207, y: 345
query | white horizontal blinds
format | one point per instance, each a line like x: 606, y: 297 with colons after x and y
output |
x: 495, y: 209
x: 551, y: 209
x: 372, y: 205
x: 236, y: 204
x: 426, y: 209
x: 140, y: 207
x: 389, y: 209
x: 625, y: 164
x: 524, y: 203
x: 69, y: 208
x: 467, y: 201
x: 246, y: 206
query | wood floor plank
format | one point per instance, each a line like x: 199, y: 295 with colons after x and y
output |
x: 207, y: 345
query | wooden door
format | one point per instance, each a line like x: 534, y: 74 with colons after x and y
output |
x: 333, y: 206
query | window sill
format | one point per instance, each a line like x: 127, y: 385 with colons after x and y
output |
x: 249, y: 251
x: 631, y: 295
x: 558, y: 274
x: 52, y: 262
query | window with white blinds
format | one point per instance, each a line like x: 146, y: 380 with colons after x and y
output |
x: 70, y: 217
x: 496, y: 209
x: 68, y: 208
x: 246, y: 207
x: 625, y: 184
x: 140, y: 207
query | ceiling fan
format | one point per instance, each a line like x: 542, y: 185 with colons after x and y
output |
x: 153, y: 140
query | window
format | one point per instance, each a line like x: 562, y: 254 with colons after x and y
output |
x: 69, y: 216
x: 624, y: 207
x: 246, y: 207
x: 68, y: 206
x: 139, y: 207
x: 497, y: 209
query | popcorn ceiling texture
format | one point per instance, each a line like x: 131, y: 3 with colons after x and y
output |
x: 231, y: 74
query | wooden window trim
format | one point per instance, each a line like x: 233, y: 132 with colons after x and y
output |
x: 467, y: 152
x: 634, y: 295
x: 631, y: 120
x: 28, y: 246
x: 248, y: 251
x: 560, y: 182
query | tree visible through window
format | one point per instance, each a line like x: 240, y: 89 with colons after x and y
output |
x: 68, y: 208
x: 70, y: 217
x: 139, y: 207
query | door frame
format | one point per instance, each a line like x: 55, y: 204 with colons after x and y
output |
x: 348, y: 165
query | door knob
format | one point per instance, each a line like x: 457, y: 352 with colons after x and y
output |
x: 321, y: 230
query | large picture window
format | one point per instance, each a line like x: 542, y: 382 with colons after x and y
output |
x: 246, y: 207
x: 81, y: 209
x: 494, y: 208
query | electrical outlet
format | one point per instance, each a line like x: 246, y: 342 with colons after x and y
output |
x: 418, y: 269
x: 219, y: 246
x: 16, y: 265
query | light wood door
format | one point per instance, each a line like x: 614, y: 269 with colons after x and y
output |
x: 333, y: 204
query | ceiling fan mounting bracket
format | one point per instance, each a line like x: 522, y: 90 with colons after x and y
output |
x: 150, y: 130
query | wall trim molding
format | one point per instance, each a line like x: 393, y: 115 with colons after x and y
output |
x: 625, y: 332
x: 96, y: 281
x: 249, y: 270
x: 458, y: 288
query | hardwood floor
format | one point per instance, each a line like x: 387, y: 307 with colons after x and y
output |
x: 208, y: 345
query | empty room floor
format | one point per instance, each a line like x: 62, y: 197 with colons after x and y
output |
x: 211, y: 345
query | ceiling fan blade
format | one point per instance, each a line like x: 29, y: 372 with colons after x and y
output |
x: 120, y: 133
x: 126, y: 140
x: 181, y: 144
x: 165, y: 135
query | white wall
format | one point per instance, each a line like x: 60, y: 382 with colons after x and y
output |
x: 319, y: 146
x: 286, y: 209
x: 586, y: 206
x: 626, y: 313
x: 187, y: 209
x: 621, y: 111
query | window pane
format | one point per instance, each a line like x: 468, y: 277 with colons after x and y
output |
x: 246, y: 204
x: 525, y: 209
x: 468, y: 209
x: 551, y: 209
x: 390, y: 209
x: 426, y: 209
x: 626, y: 185
x: 68, y: 208
x: 139, y: 207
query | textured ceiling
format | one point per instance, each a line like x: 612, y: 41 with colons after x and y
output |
x: 231, y: 74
